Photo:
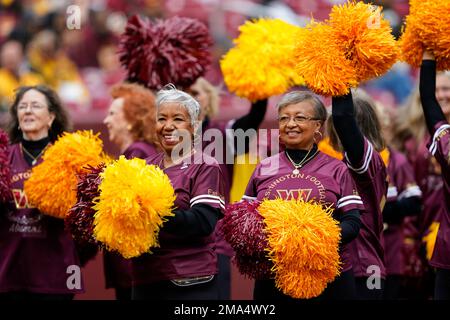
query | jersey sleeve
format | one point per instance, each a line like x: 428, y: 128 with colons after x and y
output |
x: 405, y: 183
x: 440, y: 147
x: 370, y: 165
x: 208, y: 187
x: 349, y: 198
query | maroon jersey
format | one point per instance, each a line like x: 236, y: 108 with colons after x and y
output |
x: 428, y: 176
x: 440, y: 149
x: 371, y: 181
x: 36, y: 253
x: 401, y: 185
x: 323, y: 179
x: 118, y: 269
x: 225, y: 147
x: 179, y: 256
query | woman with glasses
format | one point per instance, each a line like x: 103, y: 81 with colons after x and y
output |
x: 301, y: 171
x: 36, y: 253
x: 356, y: 130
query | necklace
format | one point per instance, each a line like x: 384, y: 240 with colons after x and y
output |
x: 297, y: 166
x: 35, y: 159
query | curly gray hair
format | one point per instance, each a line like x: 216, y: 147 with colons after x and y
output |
x: 169, y: 93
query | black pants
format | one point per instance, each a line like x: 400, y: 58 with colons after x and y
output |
x: 442, y: 284
x: 32, y: 296
x: 224, y: 277
x: 166, y: 290
x: 392, y: 287
x: 364, y: 293
x: 342, y: 288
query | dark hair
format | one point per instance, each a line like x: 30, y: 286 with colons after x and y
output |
x: 367, y: 120
x: 139, y: 110
x: 295, y: 97
x: 59, y: 125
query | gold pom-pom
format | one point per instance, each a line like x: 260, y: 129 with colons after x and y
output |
x: 365, y: 37
x: 427, y: 27
x: 354, y: 45
x: 135, y: 199
x: 52, y: 184
x: 304, y: 240
x: 321, y: 62
x: 262, y: 62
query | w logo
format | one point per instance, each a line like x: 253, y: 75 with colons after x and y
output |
x: 20, y: 198
x: 303, y: 194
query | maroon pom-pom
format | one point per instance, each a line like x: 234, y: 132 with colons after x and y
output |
x: 5, y: 171
x: 175, y: 51
x: 243, y: 228
x: 80, y: 219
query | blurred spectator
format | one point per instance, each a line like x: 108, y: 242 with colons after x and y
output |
x: 13, y: 72
x: 57, y: 69
x: 100, y: 80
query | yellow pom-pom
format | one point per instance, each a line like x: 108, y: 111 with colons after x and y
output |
x: 427, y: 27
x: 262, y: 63
x: 321, y: 62
x: 354, y: 45
x: 304, y: 245
x: 135, y: 199
x: 52, y: 184
x: 365, y: 38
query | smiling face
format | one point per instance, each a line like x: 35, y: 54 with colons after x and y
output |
x: 443, y: 93
x: 33, y: 114
x: 297, y: 125
x: 116, y: 123
x: 172, y: 122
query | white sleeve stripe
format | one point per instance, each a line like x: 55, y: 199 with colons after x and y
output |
x: 347, y: 198
x: 244, y: 197
x: 413, y: 191
x: 392, y: 192
x: 367, y: 160
x: 206, y: 196
x: 433, y: 146
x: 346, y: 203
x: 208, y: 202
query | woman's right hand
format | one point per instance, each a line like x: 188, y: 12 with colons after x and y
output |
x: 428, y: 55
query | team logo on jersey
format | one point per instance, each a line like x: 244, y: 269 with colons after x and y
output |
x: 20, y: 198
x: 295, y: 194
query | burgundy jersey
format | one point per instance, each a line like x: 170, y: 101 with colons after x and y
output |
x: 180, y: 256
x: 36, y: 253
x: 118, y: 269
x: 323, y: 179
x: 371, y: 181
x: 225, y: 147
x: 428, y: 176
x: 401, y: 185
x: 440, y: 149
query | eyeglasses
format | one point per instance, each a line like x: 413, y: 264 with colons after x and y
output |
x: 33, y: 106
x: 297, y: 119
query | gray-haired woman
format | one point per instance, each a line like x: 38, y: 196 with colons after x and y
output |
x: 185, y: 265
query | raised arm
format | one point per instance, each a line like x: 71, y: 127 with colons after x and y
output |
x: 254, y: 118
x: 431, y: 108
x: 347, y: 129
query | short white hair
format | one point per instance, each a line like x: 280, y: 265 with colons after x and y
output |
x: 169, y: 93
